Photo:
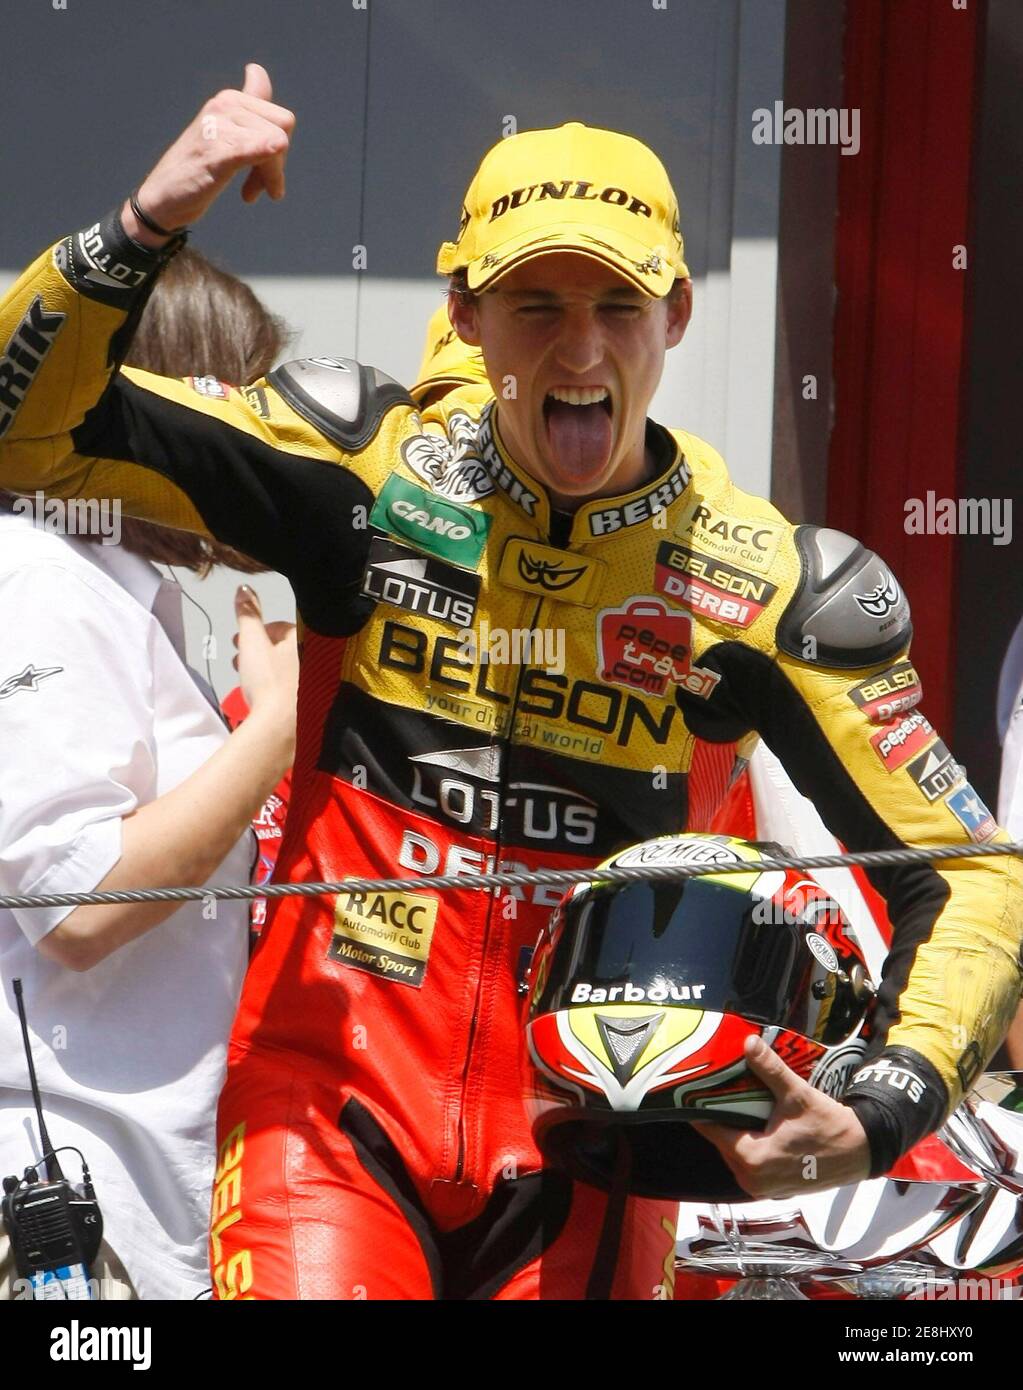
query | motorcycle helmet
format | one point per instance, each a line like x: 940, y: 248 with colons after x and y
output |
x: 641, y: 996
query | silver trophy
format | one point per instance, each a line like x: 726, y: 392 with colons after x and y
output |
x: 986, y: 1131
x: 885, y: 1238
x: 774, y: 1247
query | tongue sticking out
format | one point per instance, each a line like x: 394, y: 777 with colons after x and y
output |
x: 579, y: 437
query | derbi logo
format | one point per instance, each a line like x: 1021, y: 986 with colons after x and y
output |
x: 889, y: 693
x: 723, y: 593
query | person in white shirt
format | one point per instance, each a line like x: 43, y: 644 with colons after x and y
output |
x: 116, y: 771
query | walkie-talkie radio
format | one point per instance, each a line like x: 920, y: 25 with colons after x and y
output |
x: 55, y: 1231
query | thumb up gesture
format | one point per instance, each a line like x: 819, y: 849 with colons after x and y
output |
x: 233, y: 130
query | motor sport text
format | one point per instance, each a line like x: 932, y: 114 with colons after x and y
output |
x: 540, y: 694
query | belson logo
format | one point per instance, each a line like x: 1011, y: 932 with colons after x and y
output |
x: 569, y: 188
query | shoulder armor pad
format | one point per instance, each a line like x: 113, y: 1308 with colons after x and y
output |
x: 343, y: 399
x: 848, y: 610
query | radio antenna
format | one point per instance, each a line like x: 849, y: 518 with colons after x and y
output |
x: 53, y: 1169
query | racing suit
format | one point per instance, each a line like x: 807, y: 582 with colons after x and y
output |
x: 486, y: 682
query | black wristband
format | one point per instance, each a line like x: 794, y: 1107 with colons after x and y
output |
x: 147, y: 221
x: 899, y: 1098
x: 104, y: 263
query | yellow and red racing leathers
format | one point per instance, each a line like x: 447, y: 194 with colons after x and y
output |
x: 486, y: 682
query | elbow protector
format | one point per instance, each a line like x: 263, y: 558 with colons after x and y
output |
x: 848, y: 611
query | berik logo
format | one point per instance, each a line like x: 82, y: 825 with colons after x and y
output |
x: 889, y: 693
x: 880, y: 600
x: 549, y: 575
x: 640, y: 509
x: 936, y: 771
x: 462, y: 785
x: 30, y: 343
x: 541, y: 569
x: 498, y: 469
x: 568, y: 189
x: 394, y: 574
x: 26, y: 680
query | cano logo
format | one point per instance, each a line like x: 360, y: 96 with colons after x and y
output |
x: 454, y: 533
x: 646, y: 648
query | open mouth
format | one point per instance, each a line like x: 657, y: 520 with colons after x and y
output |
x: 578, y: 423
x: 578, y: 397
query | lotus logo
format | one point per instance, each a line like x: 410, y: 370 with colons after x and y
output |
x: 882, y: 599
x: 550, y: 575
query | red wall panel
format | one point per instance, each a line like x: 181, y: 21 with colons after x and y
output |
x: 900, y: 324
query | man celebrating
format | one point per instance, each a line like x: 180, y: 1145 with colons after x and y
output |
x: 373, y: 1137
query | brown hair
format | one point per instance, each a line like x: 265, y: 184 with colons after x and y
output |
x: 199, y: 321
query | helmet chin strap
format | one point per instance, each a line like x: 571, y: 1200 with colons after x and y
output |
x: 605, y: 1262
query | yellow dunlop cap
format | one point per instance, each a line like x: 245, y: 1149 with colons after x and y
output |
x: 574, y: 188
x: 447, y: 361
